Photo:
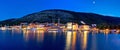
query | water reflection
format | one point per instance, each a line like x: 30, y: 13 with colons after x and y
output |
x: 16, y: 31
x: 84, y: 38
x: 33, y: 34
x: 68, y: 40
x: 94, y: 43
x: 40, y: 35
x: 74, y: 40
x: 71, y: 40
x: 54, y: 33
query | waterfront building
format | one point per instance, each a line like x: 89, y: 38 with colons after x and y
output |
x: 69, y: 26
x: 72, y: 26
x: 84, y: 27
x: 75, y: 26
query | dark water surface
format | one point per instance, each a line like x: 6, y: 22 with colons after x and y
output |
x: 68, y: 40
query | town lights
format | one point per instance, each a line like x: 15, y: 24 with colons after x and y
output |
x: 84, y: 27
x: 69, y: 26
x: 3, y: 28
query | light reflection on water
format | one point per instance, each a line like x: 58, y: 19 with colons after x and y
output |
x: 35, y: 34
x: 84, y: 38
x: 71, y: 40
x: 68, y: 40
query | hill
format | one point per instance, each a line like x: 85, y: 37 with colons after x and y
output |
x: 64, y: 16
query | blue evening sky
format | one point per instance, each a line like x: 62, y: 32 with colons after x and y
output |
x: 19, y: 8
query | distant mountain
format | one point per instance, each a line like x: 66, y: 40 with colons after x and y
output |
x: 64, y: 16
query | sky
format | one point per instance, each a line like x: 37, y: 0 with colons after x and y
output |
x: 19, y: 8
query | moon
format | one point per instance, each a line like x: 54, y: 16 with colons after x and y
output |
x: 94, y: 2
